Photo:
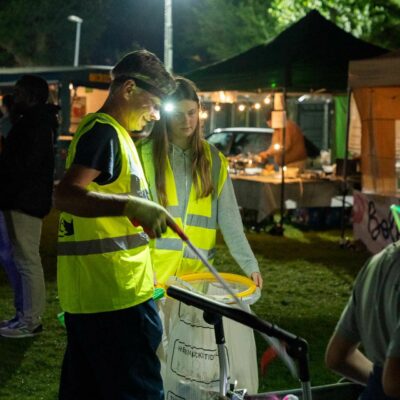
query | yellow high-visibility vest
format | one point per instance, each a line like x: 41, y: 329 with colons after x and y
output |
x: 169, y: 254
x: 104, y: 263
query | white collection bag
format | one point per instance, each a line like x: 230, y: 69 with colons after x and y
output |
x: 189, y: 355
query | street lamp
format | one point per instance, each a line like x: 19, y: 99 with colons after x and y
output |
x: 168, y: 35
x: 78, y: 20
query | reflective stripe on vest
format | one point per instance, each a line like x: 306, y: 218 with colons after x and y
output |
x: 200, y: 213
x: 104, y: 263
x: 169, y: 244
x: 208, y: 254
x: 100, y: 246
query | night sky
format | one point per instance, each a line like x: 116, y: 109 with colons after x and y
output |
x: 138, y: 23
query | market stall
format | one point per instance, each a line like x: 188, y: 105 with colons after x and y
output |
x: 375, y: 128
x: 299, y: 192
x: 308, y: 59
x: 311, y: 56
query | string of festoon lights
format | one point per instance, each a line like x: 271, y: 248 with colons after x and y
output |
x: 241, y: 107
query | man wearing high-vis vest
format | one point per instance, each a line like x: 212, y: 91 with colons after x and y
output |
x: 105, y: 278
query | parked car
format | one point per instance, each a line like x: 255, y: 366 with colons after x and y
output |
x: 240, y: 140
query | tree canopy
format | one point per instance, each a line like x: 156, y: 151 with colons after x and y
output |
x: 221, y: 28
x: 38, y: 33
x: 376, y: 21
x: 35, y: 33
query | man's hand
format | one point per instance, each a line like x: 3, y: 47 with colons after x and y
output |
x: 148, y: 214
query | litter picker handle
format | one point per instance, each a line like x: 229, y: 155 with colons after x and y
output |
x: 171, y: 223
x: 135, y: 222
x: 176, y: 228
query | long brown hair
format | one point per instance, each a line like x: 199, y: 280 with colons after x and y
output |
x: 201, y: 169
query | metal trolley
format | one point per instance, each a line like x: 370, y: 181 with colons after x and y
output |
x: 296, y: 347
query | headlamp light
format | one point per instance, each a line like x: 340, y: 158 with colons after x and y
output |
x: 169, y: 107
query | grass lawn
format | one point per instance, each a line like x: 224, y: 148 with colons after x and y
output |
x: 307, y: 279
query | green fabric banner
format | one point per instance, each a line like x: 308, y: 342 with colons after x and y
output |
x: 340, y: 124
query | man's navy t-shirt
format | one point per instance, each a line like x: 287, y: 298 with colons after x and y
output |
x: 99, y: 148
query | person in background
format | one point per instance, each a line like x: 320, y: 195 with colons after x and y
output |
x: 105, y: 276
x: 5, y: 120
x: 26, y: 176
x: 190, y: 178
x: 6, y: 256
x: 295, y: 148
x: 371, y: 319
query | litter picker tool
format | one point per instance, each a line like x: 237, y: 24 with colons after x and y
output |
x: 276, y: 344
x: 175, y: 227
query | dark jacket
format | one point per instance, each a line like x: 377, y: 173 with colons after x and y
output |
x: 27, y: 162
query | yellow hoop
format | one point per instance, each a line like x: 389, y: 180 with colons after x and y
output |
x: 226, y: 276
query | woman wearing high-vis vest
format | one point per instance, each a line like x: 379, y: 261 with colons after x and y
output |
x: 190, y: 178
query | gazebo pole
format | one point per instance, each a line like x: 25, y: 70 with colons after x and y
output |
x: 343, y: 240
x: 282, y: 202
x: 278, y: 228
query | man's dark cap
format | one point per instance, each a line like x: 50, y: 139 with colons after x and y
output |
x: 148, y: 72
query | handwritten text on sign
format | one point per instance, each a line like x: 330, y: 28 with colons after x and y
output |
x: 373, y: 222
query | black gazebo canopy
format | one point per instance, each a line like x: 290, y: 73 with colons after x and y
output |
x: 311, y: 54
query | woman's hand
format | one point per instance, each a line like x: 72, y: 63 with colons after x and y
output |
x: 257, y: 279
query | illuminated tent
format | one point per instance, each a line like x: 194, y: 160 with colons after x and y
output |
x: 311, y: 54
x: 375, y: 121
x: 374, y: 135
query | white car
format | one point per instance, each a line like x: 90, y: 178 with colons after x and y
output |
x: 240, y: 140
